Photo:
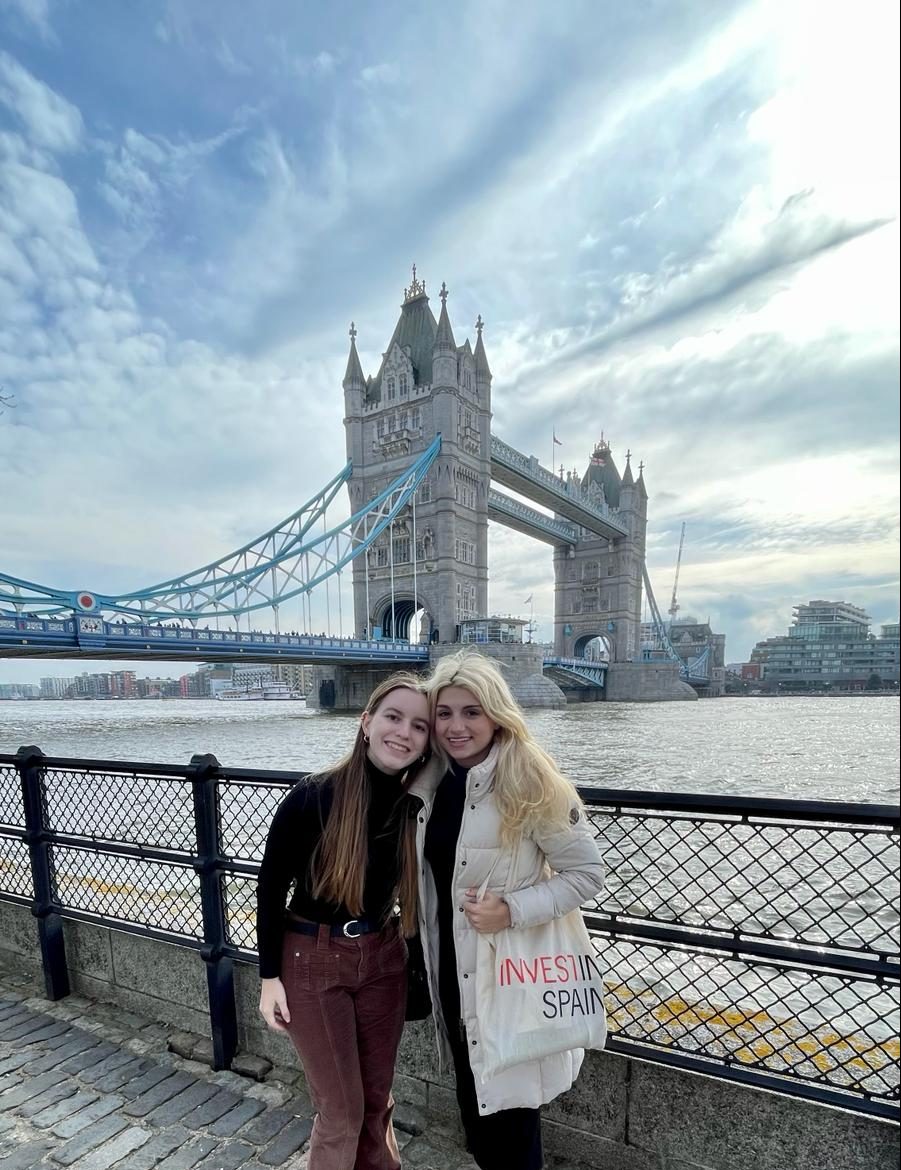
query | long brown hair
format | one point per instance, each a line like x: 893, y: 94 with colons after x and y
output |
x: 338, y: 865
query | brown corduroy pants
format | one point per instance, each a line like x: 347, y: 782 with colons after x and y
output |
x: 347, y: 998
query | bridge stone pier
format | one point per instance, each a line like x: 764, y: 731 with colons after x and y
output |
x: 347, y: 688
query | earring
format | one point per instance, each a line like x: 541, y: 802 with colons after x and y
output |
x: 365, y: 739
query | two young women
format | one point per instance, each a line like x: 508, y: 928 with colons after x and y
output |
x: 489, y: 804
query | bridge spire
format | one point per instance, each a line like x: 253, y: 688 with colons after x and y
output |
x: 444, y: 337
x: 353, y: 375
x: 483, y: 371
x: 416, y: 289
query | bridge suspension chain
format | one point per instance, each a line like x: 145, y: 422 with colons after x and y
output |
x: 287, y: 561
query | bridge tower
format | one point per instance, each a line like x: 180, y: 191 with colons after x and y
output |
x: 598, y: 582
x: 436, y: 558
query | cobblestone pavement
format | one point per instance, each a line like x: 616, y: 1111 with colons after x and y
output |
x: 90, y: 1086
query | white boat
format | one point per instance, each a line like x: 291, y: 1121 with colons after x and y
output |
x: 273, y: 691
x: 269, y: 692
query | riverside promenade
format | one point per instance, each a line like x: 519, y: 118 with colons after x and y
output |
x: 91, y: 1086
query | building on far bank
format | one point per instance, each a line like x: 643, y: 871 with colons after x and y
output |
x: 829, y: 647
x: 694, y: 642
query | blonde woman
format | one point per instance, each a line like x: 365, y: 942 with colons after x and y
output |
x: 333, y: 962
x: 502, y: 809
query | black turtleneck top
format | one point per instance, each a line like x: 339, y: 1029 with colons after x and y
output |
x: 441, y: 836
x: 293, y: 836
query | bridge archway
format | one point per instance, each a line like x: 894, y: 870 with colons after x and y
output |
x: 403, y: 620
x: 594, y: 648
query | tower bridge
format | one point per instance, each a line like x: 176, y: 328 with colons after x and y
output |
x: 423, y: 476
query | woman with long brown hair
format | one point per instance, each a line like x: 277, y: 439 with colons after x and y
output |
x: 333, y: 962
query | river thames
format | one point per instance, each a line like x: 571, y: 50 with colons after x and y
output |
x: 808, y: 748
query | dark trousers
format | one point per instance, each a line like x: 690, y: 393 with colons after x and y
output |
x: 508, y: 1140
x: 347, y: 998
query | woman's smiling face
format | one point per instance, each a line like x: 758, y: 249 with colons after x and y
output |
x: 462, y: 728
x: 397, y: 730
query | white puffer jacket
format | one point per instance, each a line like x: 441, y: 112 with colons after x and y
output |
x: 547, y: 876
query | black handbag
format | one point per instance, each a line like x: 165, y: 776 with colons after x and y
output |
x: 419, y: 1002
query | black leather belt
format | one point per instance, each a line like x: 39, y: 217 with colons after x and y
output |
x: 352, y: 929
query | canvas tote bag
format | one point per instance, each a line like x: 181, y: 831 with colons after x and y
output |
x: 539, y: 991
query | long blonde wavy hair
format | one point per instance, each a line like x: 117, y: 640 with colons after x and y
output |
x: 529, y: 788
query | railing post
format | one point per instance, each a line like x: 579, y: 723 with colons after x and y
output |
x: 29, y: 764
x: 219, y: 969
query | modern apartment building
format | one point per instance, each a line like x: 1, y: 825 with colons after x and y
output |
x: 829, y: 647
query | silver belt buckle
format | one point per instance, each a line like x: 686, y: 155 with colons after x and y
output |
x: 347, y: 932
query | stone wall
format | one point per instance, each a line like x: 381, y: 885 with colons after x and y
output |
x: 521, y: 663
x: 646, y: 682
x: 621, y: 1115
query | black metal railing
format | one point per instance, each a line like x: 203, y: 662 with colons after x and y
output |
x: 750, y: 939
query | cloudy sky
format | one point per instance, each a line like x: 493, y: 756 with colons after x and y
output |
x: 679, y: 220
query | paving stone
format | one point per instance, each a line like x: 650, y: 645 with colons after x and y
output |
x: 27, y: 1156
x: 16, y: 1097
x: 154, y: 1031
x: 212, y: 1109
x: 20, y: 1025
x: 248, y: 1065
x: 189, y: 1155
x: 115, y: 1148
x: 83, y: 1143
x: 49, y: 1097
x: 266, y: 1126
x: 54, y: 1043
x: 40, y: 1034
x: 62, y: 1109
x: 87, y: 1058
x: 139, y: 1047
x: 145, y: 1081
x: 274, y: 1095
x: 160, y: 1146
x: 176, y: 1108
x: 102, y: 1067
x: 125, y: 1072
x: 203, y: 1052
x: 11, y: 1063
x: 288, y: 1142
x: 182, y: 1043
x: 80, y: 1042
x: 12, y: 1023
x: 91, y: 1114
x: 229, y: 1080
x: 160, y: 1092
x: 228, y: 1156
x: 231, y: 1122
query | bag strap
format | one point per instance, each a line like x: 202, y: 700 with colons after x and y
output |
x: 480, y: 893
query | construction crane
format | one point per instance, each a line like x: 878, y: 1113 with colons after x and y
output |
x: 674, y: 604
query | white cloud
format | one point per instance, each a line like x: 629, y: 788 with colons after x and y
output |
x: 48, y: 119
x: 35, y: 14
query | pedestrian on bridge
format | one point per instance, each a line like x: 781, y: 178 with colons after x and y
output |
x: 503, y: 823
x: 333, y: 962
